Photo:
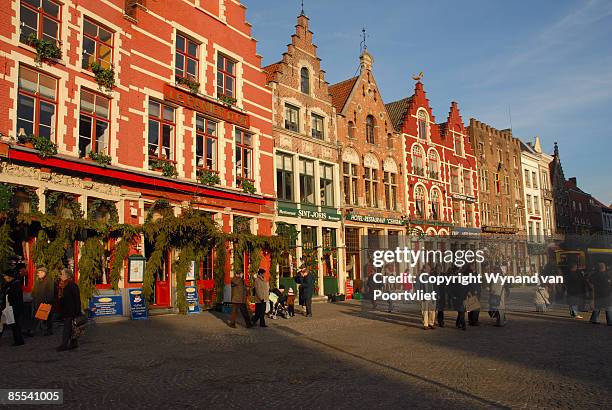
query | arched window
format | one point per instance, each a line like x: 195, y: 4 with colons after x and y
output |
x: 435, y: 205
x: 370, y: 129
x: 422, y: 121
x: 419, y: 201
x: 417, y: 161
x: 434, y: 165
x: 351, y: 129
x: 305, y: 80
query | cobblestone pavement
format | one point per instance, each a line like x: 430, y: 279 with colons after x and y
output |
x: 346, y: 356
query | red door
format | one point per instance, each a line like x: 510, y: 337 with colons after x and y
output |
x: 162, y: 284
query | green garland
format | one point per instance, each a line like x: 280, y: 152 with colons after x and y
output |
x: 6, y: 197
x: 219, y: 269
x: 53, y: 198
x: 180, y: 267
x: 46, y: 50
x: 105, y: 77
x: 90, y: 268
x: 97, y: 204
x: 6, y: 246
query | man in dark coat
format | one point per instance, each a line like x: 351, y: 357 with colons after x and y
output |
x: 70, y: 307
x: 574, y: 283
x: 601, y: 280
x: 12, y: 291
x: 43, y: 292
x: 262, y: 293
x: 306, y: 279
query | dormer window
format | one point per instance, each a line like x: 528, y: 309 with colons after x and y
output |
x: 422, y: 122
x: 305, y: 80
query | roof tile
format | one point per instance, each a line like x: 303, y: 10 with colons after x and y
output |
x: 341, y: 91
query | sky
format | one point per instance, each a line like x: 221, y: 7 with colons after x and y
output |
x: 543, y: 67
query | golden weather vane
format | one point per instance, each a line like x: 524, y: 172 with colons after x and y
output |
x: 417, y: 77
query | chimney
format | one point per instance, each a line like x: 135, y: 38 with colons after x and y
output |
x: 573, y: 182
x: 366, y: 61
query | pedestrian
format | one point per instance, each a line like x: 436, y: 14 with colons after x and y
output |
x: 601, y: 281
x: 43, y: 292
x: 262, y: 292
x: 12, y: 295
x: 443, y: 296
x: 291, y: 302
x: 472, y: 302
x: 574, y: 283
x: 498, y: 295
x: 239, y: 299
x: 306, y: 280
x: 428, y: 307
x: 458, y: 294
x: 70, y: 308
x: 541, y: 298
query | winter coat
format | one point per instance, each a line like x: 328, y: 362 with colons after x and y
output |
x: 13, y: 290
x: 307, y: 288
x: 262, y: 289
x: 541, y: 296
x: 457, y: 296
x: 602, y: 289
x: 43, y: 292
x: 575, y: 285
x: 497, y: 296
x: 70, y: 301
x: 239, y: 290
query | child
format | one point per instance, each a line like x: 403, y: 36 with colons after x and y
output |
x: 541, y: 298
x: 291, y: 302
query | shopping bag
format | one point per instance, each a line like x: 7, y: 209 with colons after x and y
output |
x: 43, y: 311
x: 8, y: 317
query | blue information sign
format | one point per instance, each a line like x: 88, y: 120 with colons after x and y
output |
x: 138, y: 307
x: 193, y: 302
x: 103, y: 305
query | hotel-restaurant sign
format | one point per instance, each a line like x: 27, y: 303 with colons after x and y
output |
x: 214, y: 109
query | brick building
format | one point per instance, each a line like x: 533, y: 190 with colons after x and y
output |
x: 306, y: 179
x: 189, y: 98
x: 502, y: 207
x: 441, y: 179
x: 371, y: 157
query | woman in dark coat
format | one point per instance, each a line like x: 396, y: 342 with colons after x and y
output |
x: 70, y: 307
x: 43, y: 292
x: 574, y: 283
x: 601, y: 280
x: 12, y: 290
x: 458, y: 294
x: 306, y: 280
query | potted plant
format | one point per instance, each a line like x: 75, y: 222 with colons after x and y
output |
x: 105, y: 77
x: 247, y: 186
x: 167, y: 168
x: 44, y: 146
x: 227, y: 100
x: 100, y: 157
x: 190, y: 83
x: 45, y: 50
x: 208, y: 177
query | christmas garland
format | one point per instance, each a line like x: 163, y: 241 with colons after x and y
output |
x: 100, y: 204
x: 55, y: 198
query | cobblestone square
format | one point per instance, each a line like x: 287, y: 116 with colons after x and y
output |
x: 346, y: 356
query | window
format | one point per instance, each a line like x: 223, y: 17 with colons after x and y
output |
x: 484, y: 214
x: 422, y: 123
x: 244, y: 156
x: 206, y: 143
x: 307, y: 190
x: 497, y: 183
x: 226, y: 76
x: 515, y: 161
x: 94, y: 125
x: 284, y: 177
x: 349, y: 177
x: 97, y: 45
x: 484, y: 180
x: 481, y: 149
x: 517, y: 189
x: 507, y: 185
x: 536, y: 205
x: 534, y: 179
x: 458, y: 144
x: 370, y: 138
x: 186, y: 61
x: 419, y: 202
x: 455, y: 179
x: 292, y: 118
x: 326, y: 184
x: 545, y: 180
x: 457, y: 213
x: 41, y: 18
x: 309, y: 237
x: 467, y: 182
x: 317, y: 126
x: 371, y: 187
x: 161, y: 131
x: 527, y: 183
x: 241, y: 224
x: 500, y: 156
x: 519, y: 218
x: 36, y: 104
x: 509, y: 220
x: 433, y: 165
x: 497, y: 216
x: 469, y: 215
x: 529, y: 209
x: 435, y: 205
x: 351, y: 129
x: 390, y: 181
x: 417, y: 161
x: 305, y: 80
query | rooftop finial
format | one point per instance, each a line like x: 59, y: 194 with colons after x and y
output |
x: 302, y: 13
x: 363, y: 44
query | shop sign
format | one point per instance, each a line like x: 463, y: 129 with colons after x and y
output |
x: 536, y: 218
x: 463, y: 197
x: 102, y: 305
x: 374, y: 219
x: 498, y: 229
x: 429, y: 222
x: 193, y: 302
x: 138, y: 307
x: 466, y: 231
x: 208, y: 107
x: 326, y: 214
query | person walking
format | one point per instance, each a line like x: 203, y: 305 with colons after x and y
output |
x: 428, y: 307
x: 12, y: 296
x: 443, y: 296
x: 306, y: 280
x: 239, y: 298
x: 70, y: 307
x: 574, y: 282
x: 472, y: 302
x: 262, y: 292
x: 601, y: 280
x: 458, y: 294
x: 497, y: 299
x: 43, y: 292
x: 541, y: 298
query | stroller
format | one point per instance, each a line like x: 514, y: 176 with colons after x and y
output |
x: 278, y: 300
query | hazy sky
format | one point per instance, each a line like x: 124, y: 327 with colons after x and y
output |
x: 549, y: 61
